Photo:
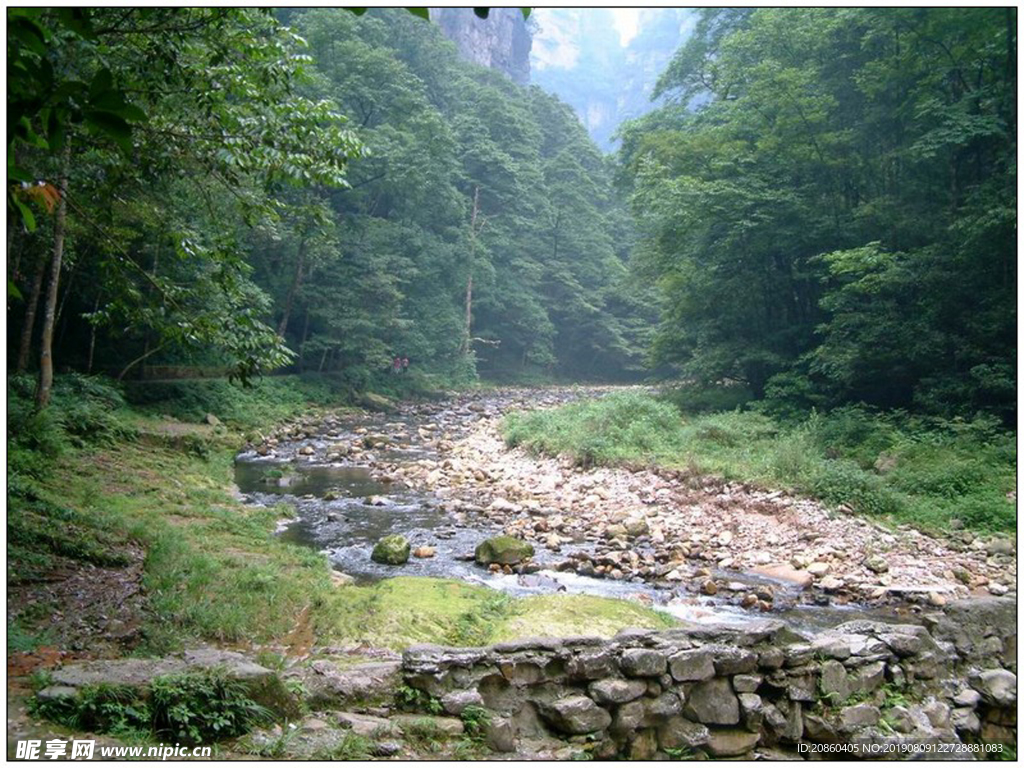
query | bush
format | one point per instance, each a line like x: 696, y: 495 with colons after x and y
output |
x: 619, y: 427
x: 193, y: 707
x: 702, y: 399
x: 841, y: 481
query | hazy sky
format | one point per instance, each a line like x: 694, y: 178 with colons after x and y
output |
x: 626, y: 23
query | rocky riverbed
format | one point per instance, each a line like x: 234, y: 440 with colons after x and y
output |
x: 440, y: 474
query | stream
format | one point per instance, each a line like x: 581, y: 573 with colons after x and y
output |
x: 336, y: 474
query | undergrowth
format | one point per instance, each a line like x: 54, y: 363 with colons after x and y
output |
x: 935, y: 473
x: 193, y: 708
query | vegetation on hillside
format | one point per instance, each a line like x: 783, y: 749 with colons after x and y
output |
x: 836, y: 223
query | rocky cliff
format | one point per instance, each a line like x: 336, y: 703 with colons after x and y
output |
x: 502, y: 41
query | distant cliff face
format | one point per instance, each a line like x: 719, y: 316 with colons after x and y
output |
x: 501, y: 41
x: 577, y: 55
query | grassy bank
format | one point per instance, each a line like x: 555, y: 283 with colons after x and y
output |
x: 98, y: 481
x: 936, y: 474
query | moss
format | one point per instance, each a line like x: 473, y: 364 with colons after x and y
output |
x: 406, y: 610
x: 563, y: 615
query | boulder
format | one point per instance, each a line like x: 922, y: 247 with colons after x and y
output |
x: 575, y: 715
x: 503, y: 550
x: 713, y: 702
x: 617, y: 691
x: 731, y: 742
x: 996, y: 686
x: 678, y: 733
x: 641, y: 662
x: 391, y: 550
x: 691, y: 665
x: 876, y: 564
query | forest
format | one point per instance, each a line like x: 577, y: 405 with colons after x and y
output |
x: 324, y: 341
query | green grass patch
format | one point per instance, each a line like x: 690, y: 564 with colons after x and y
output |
x: 931, y: 472
x: 405, y: 610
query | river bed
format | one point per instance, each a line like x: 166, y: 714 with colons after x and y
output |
x: 336, y: 475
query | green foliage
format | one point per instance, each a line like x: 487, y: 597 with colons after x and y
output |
x: 616, y: 428
x: 414, y: 700
x: 197, y: 707
x: 477, y: 720
x: 193, y: 708
x: 827, y: 205
x: 926, y: 471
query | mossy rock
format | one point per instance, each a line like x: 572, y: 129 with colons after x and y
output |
x: 391, y: 550
x: 503, y: 550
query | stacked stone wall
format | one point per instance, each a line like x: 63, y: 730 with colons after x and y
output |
x: 862, y: 689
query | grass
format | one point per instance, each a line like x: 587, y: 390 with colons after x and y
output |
x: 936, y: 474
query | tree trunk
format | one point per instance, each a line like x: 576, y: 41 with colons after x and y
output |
x: 31, y: 306
x: 467, y: 330
x: 296, y: 282
x: 92, y: 335
x: 46, y: 346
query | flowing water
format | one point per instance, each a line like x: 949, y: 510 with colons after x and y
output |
x: 342, y: 509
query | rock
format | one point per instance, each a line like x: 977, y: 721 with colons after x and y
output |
x: 831, y: 583
x: 503, y: 550
x: 785, y: 572
x: 644, y: 745
x: 680, y: 733
x: 709, y: 587
x: 691, y: 665
x: 996, y: 686
x: 367, y: 726
x: 449, y: 726
x: 616, y: 691
x: 731, y: 742
x: 615, y: 531
x: 386, y: 749
x: 965, y: 720
x: 876, y: 564
x: 575, y: 715
x: 635, y: 526
x: 968, y: 697
x: 818, y: 569
x: 628, y: 717
x: 500, y: 735
x: 751, y: 711
x: 1000, y: 546
x: 834, y: 683
x: 936, y: 599
x: 725, y: 538
x: 456, y: 701
x: 713, y: 702
x: 859, y: 716
x: 640, y: 662
x: 306, y: 450
x: 212, y: 420
x: 746, y: 683
x: 391, y: 550
x: 424, y: 552
x: 659, y: 709
x: 329, y: 686
x: 997, y: 589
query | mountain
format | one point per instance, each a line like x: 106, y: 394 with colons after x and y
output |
x: 578, y: 55
x: 501, y: 41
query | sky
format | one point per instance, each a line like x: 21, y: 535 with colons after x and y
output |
x: 626, y: 22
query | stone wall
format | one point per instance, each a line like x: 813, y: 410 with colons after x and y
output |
x: 866, y: 688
